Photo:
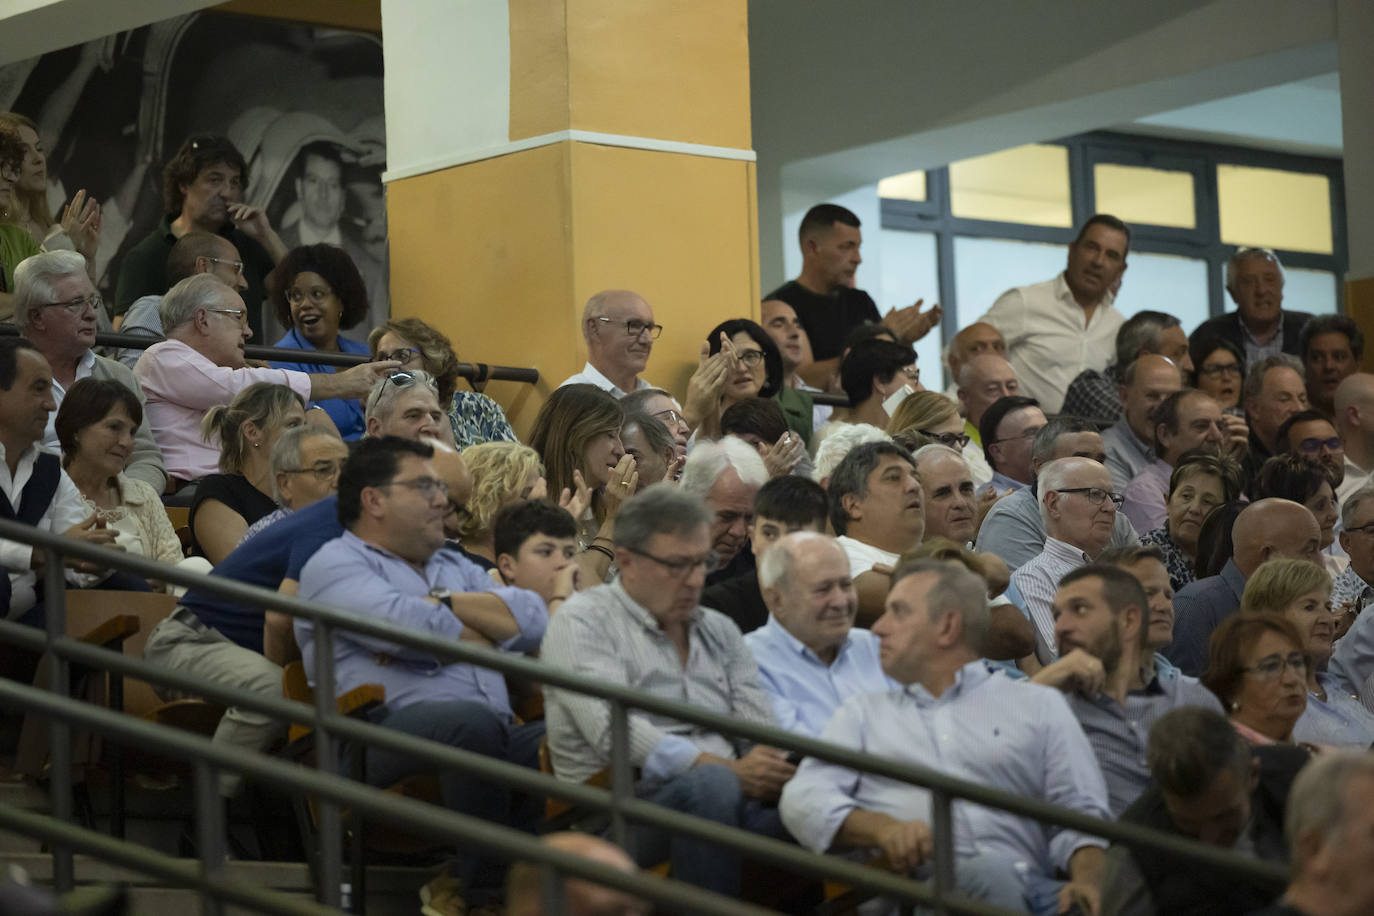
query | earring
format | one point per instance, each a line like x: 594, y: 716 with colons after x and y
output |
x: 1235, y: 707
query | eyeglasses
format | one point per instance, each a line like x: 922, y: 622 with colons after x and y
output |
x: 750, y: 358
x: 1025, y: 434
x: 1271, y: 667
x: 78, y: 305
x: 1096, y: 495
x: 956, y: 441
x: 240, y: 315
x: 1314, y: 445
x: 425, y: 486
x: 670, y: 417
x: 400, y: 354
x: 316, y: 295
x: 399, y: 379
x: 1215, y: 371
x: 710, y: 562
x: 911, y: 372
x: 237, y: 265
x: 1365, y: 529
x: 634, y: 327
x: 325, y: 470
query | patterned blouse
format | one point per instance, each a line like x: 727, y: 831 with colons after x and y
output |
x: 1181, y: 571
x: 477, y: 418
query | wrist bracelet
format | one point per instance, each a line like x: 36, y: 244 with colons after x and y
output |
x: 599, y: 549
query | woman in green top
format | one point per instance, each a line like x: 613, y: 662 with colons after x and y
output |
x: 15, y: 243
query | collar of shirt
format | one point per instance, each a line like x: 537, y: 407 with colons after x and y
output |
x: 972, y: 432
x: 1274, y: 343
x: 1064, y: 294
x: 1130, y: 438
x: 309, y: 236
x: 83, y: 370
x: 778, y: 632
x: 1002, y: 482
x: 967, y: 678
x: 427, y: 574
x: 641, y: 614
x: 23, y: 469
x: 603, y: 382
x: 1063, y: 550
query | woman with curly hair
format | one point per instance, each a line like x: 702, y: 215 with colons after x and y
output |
x: 473, y: 416
x: 317, y: 291
x: 15, y: 243
x: 27, y: 203
x: 502, y: 473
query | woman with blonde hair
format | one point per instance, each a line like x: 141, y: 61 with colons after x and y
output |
x: 502, y: 473
x: 225, y: 504
x: 932, y: 415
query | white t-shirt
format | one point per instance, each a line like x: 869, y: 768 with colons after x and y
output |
x: 863, y: 556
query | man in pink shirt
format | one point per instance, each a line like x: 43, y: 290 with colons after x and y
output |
x: 201, y: 364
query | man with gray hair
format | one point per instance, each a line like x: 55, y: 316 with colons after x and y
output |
x: 1015, y: 736
x: 648, y: 631
x: 947, y: 485
x: 305, y: 463
x: 55, y: 306
x: 1330, y: 829
x: 811, y: 656
x: 726, y: 476
x: 1352, y: 592
x: 1078, y: 506
x: 1096, y: 395
x: 618, y: 326
x: 1274, y: 390
x: 1013, y: 529
x: 201, y: 365
x: 406, y: 404
x: 1260, y: 325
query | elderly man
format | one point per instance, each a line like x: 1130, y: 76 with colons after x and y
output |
x: 782, y: 324
x: 951, y: 510
x: 1183, y: 421
x: 1079, y: 510
x: 1130, y: 442
x: 639, y: 632
x: 201, y: 365
x: 726, y: 476
x: 202, y: 188
x: 663, y: 407
x: 619, y: 329
x: 1058, y: 328
x: 1208, y: 785
x: 1330, y: 828
x: 1260, y: 325
x: 973, y: 340
x: 931, y: 636
x: 811, y: 657
x: 1355, y: 426
x: 1352, y: 592
x: 1273, y: 392
x: 306, y: 461
x: 825, y: 298
x: 55, y: 305
x: 1331, y: 347
x: 195, y: 252
x: 391, y: 563
x: 1264, y: 530
x: 1013, y: 528
x: 1096, y: 395
x: 982, y: 380
x: 1006, y: 431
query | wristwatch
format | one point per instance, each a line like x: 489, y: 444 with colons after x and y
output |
x: 443, y: 596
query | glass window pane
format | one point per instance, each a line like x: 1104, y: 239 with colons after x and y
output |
x: 910, y: 271
x: 1165, y: 283
x: 907, y: 186
x: 1028, y: 184
x: 1274, y: 208
x: 1160, y: 197
x: 1309, y: 290
x: 986, y: 268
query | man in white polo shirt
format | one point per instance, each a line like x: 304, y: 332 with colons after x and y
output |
x: 619, y: 328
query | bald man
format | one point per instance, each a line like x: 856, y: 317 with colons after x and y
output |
x: 619, y: 328
x: 983, y: 379
x: 979, y: 337
x: 525, y: 883
x: 1354, y: 402
x: 1130, y: 441
x: 782, y: 324
x: 1266, y: 530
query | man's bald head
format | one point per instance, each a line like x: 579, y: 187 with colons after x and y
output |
x: 984, y: 379
x: 979, y: 337
x: 618, y: 327
x: 1272, y: 528
x: 525, y: 885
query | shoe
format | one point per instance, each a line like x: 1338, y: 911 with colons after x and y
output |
x: 442, y: 897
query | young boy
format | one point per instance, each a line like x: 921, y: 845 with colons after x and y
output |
x: 534, y: 542
x: 783, y: 505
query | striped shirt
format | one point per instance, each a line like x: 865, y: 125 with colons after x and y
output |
x: 605, y: 634
x: 1037, y: 581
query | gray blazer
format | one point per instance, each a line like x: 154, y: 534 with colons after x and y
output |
x: 145, y: 463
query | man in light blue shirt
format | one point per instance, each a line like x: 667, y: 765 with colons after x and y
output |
x: 391, y: 564
x: 958, y: 716
x: 811, y: 658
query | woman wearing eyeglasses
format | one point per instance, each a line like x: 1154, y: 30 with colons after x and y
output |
x: 1301, y: 592
x: 1218, y: 368
x: 317, y: 291
x: 226, y: 503
x: 1304, y: 481
x: 1257, y: 666
x: 932, y: 415
x: 742, y: 362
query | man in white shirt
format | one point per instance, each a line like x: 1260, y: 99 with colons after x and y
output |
x: 1056, y: 329
x: 619, y: 328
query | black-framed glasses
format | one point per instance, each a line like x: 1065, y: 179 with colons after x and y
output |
x: 400, y: 378
x: 78, y: 305
x: 316, y: 294
x: 1096, y: 495
x: 425, y: 486
x: 401, y: 355
x: 1215, y: 371
x: 1314, y: 444
x: 750, y: 358
x: 634, y: 327
x: 709, y: 561
x: 956, y: 441
x: 237, y: 265
x: 1026, y: 434
x: 323, y: 471
x: 1271, y: 667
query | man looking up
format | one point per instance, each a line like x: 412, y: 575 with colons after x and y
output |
x: 619, y: 329
x: 1130, y: 441
x: 1096, y: 395
x: 1058, y: 328
x: 1260, y: 325
x: 824, y: 295
x: 931, y: 636
x: 951, y: 511
x: 982, y: 380
x: 1355, y: 425
x: 55, y: 305
x: 1331, y: 347
x: 1006, y: 431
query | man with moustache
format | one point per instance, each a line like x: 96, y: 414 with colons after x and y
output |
x: 618, y: 326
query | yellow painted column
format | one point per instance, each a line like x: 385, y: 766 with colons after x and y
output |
x: 561, y: 147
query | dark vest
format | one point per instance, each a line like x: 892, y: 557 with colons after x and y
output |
x: 33, y: 503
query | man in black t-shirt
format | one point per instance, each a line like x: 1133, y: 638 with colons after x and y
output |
x: 824, y: 296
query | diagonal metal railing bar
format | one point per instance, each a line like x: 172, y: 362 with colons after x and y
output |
x: 1156, y: 841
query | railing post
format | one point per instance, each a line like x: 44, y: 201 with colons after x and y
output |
x: 59, y: 731
x: 210, y: 828
x: 329, y: 829
x: 622, y: 779
x: 942, y: 829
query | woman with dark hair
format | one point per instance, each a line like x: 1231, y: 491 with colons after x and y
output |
x: 317, y: 291
x: 1199, y: 484
x: 1304, y: 481
x: 1214, y: 542
x: 742, y: 362
x: 15, y: 243
x: 1218, y: 368
x: 1257, y: 666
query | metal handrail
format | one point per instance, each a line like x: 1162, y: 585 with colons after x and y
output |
x: 944, y: 788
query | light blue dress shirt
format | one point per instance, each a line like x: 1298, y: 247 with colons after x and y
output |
x: 353, y: 575
x: 986, y: 728
x: 805, y: 690
x: 1340, y: 721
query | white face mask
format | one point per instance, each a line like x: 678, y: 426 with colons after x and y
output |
x: 894, y: 400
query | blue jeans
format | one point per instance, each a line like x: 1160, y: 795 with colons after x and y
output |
x: 472, y: 727
x: 712, y: 792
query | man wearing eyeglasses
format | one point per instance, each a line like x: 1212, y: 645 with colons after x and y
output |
x: 391, y: 564
x: 1260, y: 325
x: 56, y: 306
x: 648, y: 631
x: 1006, y: 430
x: 619, y: 328
x: 982, y: 380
